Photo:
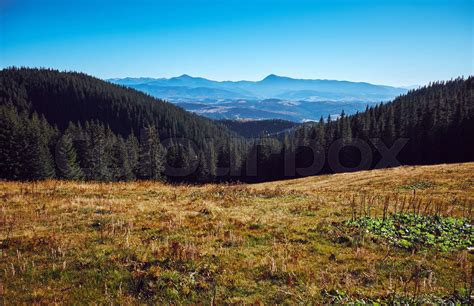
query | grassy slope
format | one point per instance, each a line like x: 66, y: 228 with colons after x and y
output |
x: 271, y: 242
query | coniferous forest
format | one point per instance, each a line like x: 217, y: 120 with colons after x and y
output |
x: 258, y: 128
x: 69, y: 125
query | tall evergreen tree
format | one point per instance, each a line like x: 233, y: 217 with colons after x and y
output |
x: 66, y: 159
x: 152, y: 154
x: 98, y: 160
x: 133, y: 148
x: 37, y: 157
x: 122, y: 170
x: 10, y: 143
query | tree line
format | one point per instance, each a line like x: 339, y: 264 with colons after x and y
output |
x: 437, y: 122
x: 69, y: 125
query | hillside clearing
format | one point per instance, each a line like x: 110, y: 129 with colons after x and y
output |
x: 274, y: 242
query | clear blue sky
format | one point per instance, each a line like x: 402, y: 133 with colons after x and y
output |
x: 384, y: 42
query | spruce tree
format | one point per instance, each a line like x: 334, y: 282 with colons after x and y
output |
x: 133, y: 148
x: 66, y: 159
x: 38, y: 161
x: 152, y: 155
x: 98, y: 160
x: 10, y: 158
x: 121, y: 168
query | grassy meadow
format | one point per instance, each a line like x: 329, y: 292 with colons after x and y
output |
x: 354, y: 237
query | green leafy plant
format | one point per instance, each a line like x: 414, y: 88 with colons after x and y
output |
x: 409, y: 231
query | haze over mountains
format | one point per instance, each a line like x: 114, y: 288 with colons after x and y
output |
x: 274, y: 97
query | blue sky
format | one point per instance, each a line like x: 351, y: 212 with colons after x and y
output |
x: 383, y: 42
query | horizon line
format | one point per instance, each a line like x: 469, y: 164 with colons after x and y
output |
x: 261, y: 79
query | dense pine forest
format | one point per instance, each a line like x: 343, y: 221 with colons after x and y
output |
x: 258, y: 128
x: 111, y: 132
x: 69, y: 125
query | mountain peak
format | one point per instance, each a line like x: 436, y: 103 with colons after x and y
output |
x: 185, y: 76
x: 271, y: 77
x: 275, y: 78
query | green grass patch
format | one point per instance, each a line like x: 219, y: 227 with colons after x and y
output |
x: 420, y: 185
x: 413, y: 231
x: 334, y: 296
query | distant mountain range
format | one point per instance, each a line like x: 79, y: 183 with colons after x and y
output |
x: 274, y: 97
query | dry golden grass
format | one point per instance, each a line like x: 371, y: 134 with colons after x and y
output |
x: 75, y: 242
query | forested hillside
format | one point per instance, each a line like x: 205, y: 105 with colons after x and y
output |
x: 72, y: 126
x: 430, y: 125
x: 258, y: 128
x: 88, y: 123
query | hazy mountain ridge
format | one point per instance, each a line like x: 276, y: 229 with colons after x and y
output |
x: 272, y: 86
x: 274, y: 97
